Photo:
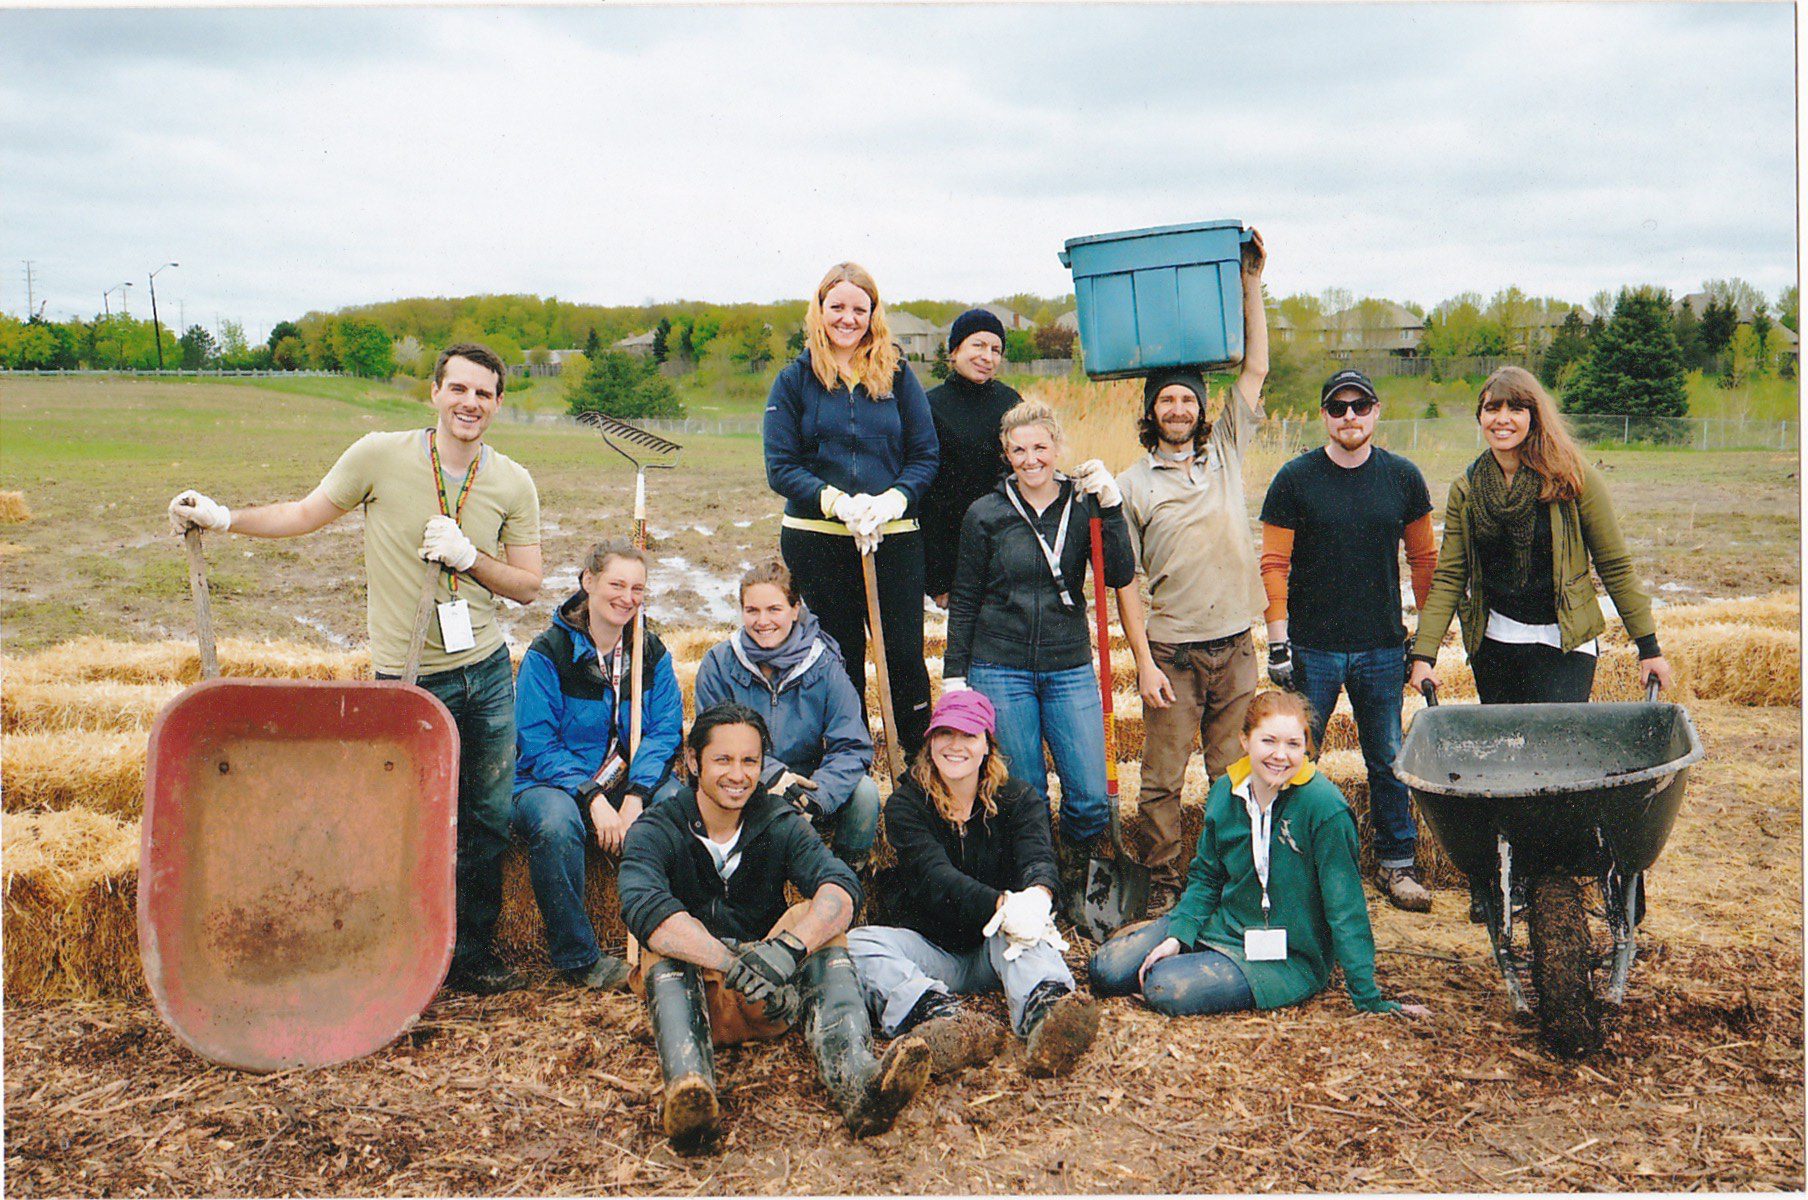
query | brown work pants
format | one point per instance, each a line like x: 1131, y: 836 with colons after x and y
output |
x: 1213, y: 685
x: 733, y: 1018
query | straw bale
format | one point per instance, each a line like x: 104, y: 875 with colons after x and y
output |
x: 520, y: 932
x: 102, y: 772
x: 71, y: 908
x: 52, y: 707
x: 92, y: 659
x: 13, y: 509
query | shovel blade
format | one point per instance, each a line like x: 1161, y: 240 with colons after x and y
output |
x: 1116, y: 894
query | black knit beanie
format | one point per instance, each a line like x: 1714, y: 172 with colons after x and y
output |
x: 1160, y: 379
x: 974, y: 320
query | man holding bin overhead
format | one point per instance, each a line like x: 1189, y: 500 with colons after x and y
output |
x: 1190, y: 524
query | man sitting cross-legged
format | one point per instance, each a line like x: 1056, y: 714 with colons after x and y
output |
x: 722, y: 958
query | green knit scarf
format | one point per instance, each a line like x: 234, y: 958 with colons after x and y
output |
x: 1506, y: 513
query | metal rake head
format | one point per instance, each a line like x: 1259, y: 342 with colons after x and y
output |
x: 651, y: 446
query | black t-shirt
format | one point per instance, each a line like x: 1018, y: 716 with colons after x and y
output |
x: 1343, y: 588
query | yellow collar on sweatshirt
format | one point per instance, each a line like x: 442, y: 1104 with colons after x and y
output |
x: 1241, y: 769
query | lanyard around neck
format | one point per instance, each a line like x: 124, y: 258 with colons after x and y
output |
x: 1261, y: 830
x: 1052, y: 554
x: 439, y: 490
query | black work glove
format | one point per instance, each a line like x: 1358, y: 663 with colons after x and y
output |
x: 1280, y: 664
x: 760, y: 969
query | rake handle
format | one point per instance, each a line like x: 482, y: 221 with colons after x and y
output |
x: 1102, y: 622
x: 197, y: 587
x: 637, y: 680
x: 876, y: 638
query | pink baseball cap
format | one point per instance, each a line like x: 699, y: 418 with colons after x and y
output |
x: 966, y: 710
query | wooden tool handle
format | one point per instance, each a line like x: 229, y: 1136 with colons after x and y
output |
x: 423, y: 612
x: 197, y: 586
x: 875, y: 636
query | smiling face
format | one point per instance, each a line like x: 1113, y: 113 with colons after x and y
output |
x: 466, y: 398
x: 957, y: 755
x: 976, y: 359
x: 766, y: 615
x: 1032, y: 450
x: 847, y: 314
x: 1504, y: 426
x: 1276, y: 748
x: 1176, y: 414
x: 728, y: 770
x: 614, y: 593
x: 1350, y: 431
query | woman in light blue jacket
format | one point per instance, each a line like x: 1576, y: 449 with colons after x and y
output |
x: 783, y: 666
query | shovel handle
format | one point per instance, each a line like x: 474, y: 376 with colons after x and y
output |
x: 197, y: 586
x: 423, y: 610
x: 1102, y: 622
x: 875, y: 636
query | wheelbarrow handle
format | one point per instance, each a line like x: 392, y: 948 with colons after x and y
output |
x: 423, y: 611
x: 197, y: 586
x: 1430, y: 690
x: 1652, y: 688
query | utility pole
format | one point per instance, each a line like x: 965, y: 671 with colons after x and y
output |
x: 31, y: 296
x: 157, y: 328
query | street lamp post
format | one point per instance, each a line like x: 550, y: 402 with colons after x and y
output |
x: 156, y: 326
x: 119, y: 346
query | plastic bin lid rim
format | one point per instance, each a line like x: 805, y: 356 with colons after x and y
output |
x: 1154, y: 231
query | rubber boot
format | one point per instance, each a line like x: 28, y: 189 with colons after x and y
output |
x: 869, y: 1092
x: 680, y: 1017
x: 1060, y: 1027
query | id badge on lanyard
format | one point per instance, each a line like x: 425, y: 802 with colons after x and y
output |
x: 1264, y: 944
x: 455, y: 633
x: 1051, y: 554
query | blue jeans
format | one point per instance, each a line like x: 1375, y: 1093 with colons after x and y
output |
x: 1061, y: 708
x: 852, y: 829
x: 1189, y: 984
x: 1375, y: 680
x: 550, y: 820
x: 481, y: 698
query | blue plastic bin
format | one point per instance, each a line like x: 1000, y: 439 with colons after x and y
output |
x: 1171, y: 296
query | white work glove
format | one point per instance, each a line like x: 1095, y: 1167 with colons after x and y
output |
x: 445, y: 542
x: 192, y: 510
x: 956, y: 684
x: 887, y: 506
x: 868, y: 543
x: 1095, y: 479
x: 1026, y: 918
x: 851, y: 510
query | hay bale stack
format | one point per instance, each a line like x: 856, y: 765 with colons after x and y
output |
x: 13, y: 509
x: 521, y: 934
x: 71, y: 906
x: 56, y: 707
x: 102, y: 772
x: 95, y: 659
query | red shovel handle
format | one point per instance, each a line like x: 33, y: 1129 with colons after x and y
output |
x: 1103, y: 622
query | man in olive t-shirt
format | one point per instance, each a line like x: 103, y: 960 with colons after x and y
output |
x: 442, y: 496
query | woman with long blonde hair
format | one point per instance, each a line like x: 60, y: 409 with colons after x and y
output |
x: 973, y: 897
x: 1522, y: 527
x: 851, y: 446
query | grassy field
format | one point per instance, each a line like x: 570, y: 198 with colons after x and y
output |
x: 97, y: 461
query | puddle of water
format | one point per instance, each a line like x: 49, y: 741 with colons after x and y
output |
x: 343, y: 643
x: 715, y: 593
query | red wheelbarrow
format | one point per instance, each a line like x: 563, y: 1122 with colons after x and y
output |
x: 295, y: 886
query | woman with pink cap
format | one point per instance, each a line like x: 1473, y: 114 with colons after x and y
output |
x: 974, y: 896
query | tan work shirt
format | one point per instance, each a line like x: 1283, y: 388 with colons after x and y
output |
x: 1190, y: 523
x: 390, y: 476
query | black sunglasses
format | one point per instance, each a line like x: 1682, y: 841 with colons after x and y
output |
x: 1337, y: 408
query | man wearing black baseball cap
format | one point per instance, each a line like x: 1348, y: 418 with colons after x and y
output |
x: 1332, y: 526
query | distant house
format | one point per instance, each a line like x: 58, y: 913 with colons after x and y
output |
x: 1009, y: 318
x: 640, y: 343
x: 557, y: 358
x: 919, y: 338
x: 1374, y: 327
x: 1698, y: 304
x: 1069, y: 320
x: 1279, y: 327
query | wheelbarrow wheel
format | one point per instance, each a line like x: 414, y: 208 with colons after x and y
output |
x: 1569, y: 1016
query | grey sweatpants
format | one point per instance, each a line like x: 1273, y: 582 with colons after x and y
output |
x: 896, y: 966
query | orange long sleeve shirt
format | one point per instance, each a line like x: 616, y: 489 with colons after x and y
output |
x: 1277, y: 559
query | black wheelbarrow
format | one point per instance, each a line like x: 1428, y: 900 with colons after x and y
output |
x: 1536, y: 799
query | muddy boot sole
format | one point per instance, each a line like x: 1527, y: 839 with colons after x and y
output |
x: 966, y: 1039
x: 690, y: 1114
x: 1057, y: 1043
x: 902, y: 1073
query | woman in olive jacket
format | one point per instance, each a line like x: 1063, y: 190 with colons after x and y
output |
x: 1522, y: 526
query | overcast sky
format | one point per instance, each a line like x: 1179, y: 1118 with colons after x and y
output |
x: 295, y: 160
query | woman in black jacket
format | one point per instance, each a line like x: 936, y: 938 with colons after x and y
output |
x: 851, y: 447
x: 1017, y: 624
x: 968, y: 408
x: 975, y: 898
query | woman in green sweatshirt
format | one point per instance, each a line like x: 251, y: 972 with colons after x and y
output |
x: 1273, y: 898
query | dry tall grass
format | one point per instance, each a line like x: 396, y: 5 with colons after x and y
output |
x: 13, y: 509
x: 71, y: 906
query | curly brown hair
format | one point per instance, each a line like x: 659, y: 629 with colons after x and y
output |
x: 992, y: 776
